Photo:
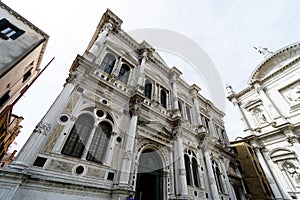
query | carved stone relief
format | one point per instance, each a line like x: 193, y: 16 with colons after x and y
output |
x: 292, y: 93
x: 56, y: 165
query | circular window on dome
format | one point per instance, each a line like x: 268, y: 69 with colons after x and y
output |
x: 79, y: 170
x: 64, y: 118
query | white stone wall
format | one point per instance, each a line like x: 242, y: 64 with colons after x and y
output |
x: 270, y: 109
x: 140, y: 123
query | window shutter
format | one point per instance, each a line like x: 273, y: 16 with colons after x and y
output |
x: 17, y: 34
x: 3, y: 23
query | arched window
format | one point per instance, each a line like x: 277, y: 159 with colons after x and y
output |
x: 88, y: 141
x: 163, y: 98
x: 191, y: 168
x: 180, y: 106
x: 78, y: 136
x: 108, y: 63
x: 195, y: 172
x: 148, y: 89
x: 188, y: 169
x: 218, y: 176
x: 124, y: 73
x: 100, y: 142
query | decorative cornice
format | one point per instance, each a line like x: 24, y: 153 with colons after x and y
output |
x: 271, y: 58
x: 25, y: 21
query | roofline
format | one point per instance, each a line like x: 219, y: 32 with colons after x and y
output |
x: 24, y: 20
x: 268, y: 59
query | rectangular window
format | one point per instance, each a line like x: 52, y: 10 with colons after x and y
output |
x: 188, y: 113
x: 8, y: 30
x: 27, y: 75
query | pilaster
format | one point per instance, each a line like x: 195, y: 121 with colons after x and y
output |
x: 175, y: 73
x: 100, y: 39
x: 278, y: 193
x: 129, y: 146
x: 180, y: 170
x: 232, y: 97
x: 40, y: 134
x: 211, y: 177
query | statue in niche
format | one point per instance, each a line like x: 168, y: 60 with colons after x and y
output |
x: 292, y: 171
x: 290, y: 168
x: 260, y: 116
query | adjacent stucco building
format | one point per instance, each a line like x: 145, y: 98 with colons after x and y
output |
x: 270, y: 112
x: 254, y: 179
x: 22, y: 47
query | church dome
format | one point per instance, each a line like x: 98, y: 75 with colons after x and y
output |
x: 275, y: 62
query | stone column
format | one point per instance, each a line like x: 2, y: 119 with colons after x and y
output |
x: 211, y: 176
x: 175, y: 73
x: 201, y: 174
x: 89, y: 142
x: 40, y: 134
x: 277, y: 179
x: 197, y: 119
x: 158, y: 93
x: 232, y: 97
x: 141, y: 73
x: 227, y: 183
x: 129, y: 146
x: 273, y: 185
x: 274, y: 111
x: 172, y: 178
x: 155, y: 95
x: 117, y: 67
x: 110, y: 150
x: 179, y: 165
x: 100, y: 39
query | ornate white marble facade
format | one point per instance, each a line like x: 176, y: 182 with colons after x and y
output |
x: 117, y: 129
x: 269, y: 108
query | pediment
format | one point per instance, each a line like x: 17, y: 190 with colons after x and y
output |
x: 124, y: 53
x: 282, y: 154
x: 252, y: 104
x: 155, y: 127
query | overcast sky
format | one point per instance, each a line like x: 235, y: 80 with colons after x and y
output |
x: 227, y: 30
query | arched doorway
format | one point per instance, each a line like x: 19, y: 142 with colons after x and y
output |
x: 149, y: 185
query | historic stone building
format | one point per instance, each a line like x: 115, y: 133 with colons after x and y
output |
x: 270, y: 111
x: 125, y: 123
x: 254, y: 180
x: 22, y: 47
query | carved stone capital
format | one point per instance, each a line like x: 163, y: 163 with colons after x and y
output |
x: 107, y: 27
x: 293, y: 139
x: 134, y: 108
x: 73, y: 78
x: 42, y: 128
x: 177, y: 132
